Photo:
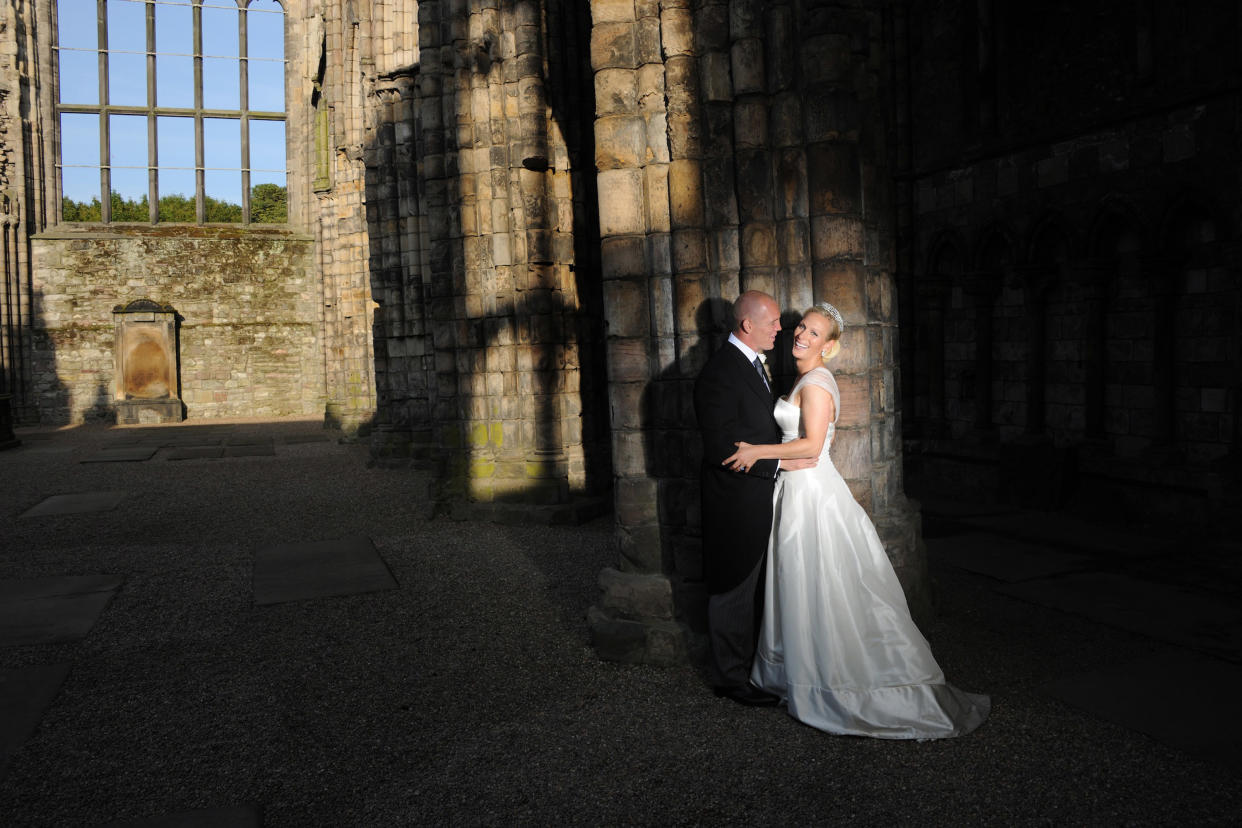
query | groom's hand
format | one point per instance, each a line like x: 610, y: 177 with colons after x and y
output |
x: 799, y: 463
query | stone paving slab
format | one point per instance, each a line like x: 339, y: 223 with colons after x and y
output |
x: 1003, y: 558
x: 267, y: 450
x: 236, y: 816
x: 25, y: 694
x: 298, y: 571
x: 190, y: 441
x: 1185, y: 700
x: 76, y: 503
x: 306, y: 438
x: 54, y: 609
x: 196, y: 453
x: 121, y: 454
x: 1190, y: 618
x: 249, y: 440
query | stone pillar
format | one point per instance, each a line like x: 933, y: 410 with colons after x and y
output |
x: 933, y: 296
x: 1038, y: 282
x: 1163, y: 274
x: 650, y: 215
x: 1096, y: 277
x: 775, y: 176
x: 983, y: 288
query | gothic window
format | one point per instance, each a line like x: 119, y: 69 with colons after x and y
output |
x: 172, y: 110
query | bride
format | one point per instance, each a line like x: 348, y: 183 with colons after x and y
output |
x: 837, y: 644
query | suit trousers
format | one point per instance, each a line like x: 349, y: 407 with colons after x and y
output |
x: 733, y: 628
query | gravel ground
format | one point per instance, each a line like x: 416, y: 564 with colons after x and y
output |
x: 470, y: 696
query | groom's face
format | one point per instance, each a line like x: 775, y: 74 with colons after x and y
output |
x: 766, y: 323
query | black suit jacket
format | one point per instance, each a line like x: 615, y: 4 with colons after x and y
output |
x: 732, y: 404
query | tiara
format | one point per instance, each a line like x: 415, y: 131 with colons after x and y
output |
x: 824, y: 307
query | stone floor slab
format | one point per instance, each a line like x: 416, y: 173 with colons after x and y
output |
x: 25, y: 694
x: 293, y: 439
x: 54, y: 609
x: 76, y: 503
x: 249, y: 440
x: 121, y: 454
x: 1185, y: 700
x: 46, y: 449
x: 298, y: 571
x: 190, y: 441
x: 1003, y: 558
x: 196, y: 453
x: 235, y: 816
x: 1190, y: 618
x: 267, y: 450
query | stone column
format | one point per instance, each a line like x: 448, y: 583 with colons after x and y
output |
x: 1096, y: 277
x: 650, y: 216
x: 777, y: 179
x: 1163, y: 274
x: 933, y: 296
x: 983, y: 288
x: 1038, y: 281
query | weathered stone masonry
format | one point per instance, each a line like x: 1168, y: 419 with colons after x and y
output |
x: 740, y: 145
x: 514, y: 229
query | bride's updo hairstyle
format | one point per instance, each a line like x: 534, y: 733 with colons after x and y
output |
x: 836, y: 327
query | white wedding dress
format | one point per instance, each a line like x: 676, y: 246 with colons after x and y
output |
x: 837, y: 644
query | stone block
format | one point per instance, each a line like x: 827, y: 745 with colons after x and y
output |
x: 834, y: 180
x: 717, y: 84
x: 758, y: 249
x: 627, y: 308
x: 614, y: 45
x: 747, y: 65
x: 677, y: 30
x: 636, y: 502
x: 641, y: 548
x: 621, y: 202
x: 620, y: 141
x: 628, y: 360
x: 612, y: 11
x: 689, y: 251
x: 626, y: 405
x: 623, y: 257
x: 616, y: 92
x: 685, y: 194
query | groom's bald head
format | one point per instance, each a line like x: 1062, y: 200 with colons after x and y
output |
x: 756, y: 319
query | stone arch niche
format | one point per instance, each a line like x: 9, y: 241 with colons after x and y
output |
x: 147, y: 387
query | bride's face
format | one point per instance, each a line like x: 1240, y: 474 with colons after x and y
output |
x: 811, y: 336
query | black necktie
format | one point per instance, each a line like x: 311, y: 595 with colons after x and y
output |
x: 759, y: 367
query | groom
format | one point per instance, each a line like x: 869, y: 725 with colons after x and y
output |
x: 733, y: 402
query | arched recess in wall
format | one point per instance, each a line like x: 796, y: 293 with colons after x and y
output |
x: 1055, y: 402
x: 1000, y: 335
x: 1117, y: 364
x: 938, y: 312
x: 1194, y: 303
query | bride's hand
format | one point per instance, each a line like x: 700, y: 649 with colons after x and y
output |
x: 743, y: 458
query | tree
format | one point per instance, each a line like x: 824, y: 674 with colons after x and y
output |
x: 269, y: 204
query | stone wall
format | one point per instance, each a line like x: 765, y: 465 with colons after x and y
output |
x: 249, y: 307
x: 1073, y: 248
x: 741, y: 145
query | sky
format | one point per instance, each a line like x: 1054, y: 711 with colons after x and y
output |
x: 79, y: 80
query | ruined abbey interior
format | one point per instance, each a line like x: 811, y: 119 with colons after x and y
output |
x: 500, y: 238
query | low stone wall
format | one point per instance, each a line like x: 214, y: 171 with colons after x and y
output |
x: 248, y: 299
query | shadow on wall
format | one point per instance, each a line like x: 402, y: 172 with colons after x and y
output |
x: 673, y: 449
x: 484, y: 261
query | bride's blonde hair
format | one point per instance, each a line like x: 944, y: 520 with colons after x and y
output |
x: 836, y: 327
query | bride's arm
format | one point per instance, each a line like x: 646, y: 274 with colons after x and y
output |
x: 817, y: 410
